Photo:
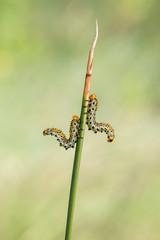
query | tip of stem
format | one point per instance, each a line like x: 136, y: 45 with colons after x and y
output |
x: 96, y: 36
x: 89, y: 66
x: 96, y: 27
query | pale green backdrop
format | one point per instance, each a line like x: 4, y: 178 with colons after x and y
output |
x: 44, y: 48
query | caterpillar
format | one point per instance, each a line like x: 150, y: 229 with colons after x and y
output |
x: 64, y: 142
x: 91, y: 119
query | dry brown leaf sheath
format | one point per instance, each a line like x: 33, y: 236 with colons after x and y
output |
x: 89, y: 66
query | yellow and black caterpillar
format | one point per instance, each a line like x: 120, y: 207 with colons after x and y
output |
x: 75, y: 123
x: 91, y: 119
x: 64, y: 142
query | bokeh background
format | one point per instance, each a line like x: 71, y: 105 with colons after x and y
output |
x: 44, y: 48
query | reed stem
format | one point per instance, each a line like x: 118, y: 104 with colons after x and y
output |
x: 79, y: 146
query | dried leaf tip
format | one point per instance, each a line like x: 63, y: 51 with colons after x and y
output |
x: 90, y: 60
x: 96, y: 36
x: 89, y: 66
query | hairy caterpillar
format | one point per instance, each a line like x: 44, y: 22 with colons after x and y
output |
x: 91, y: 119
x: 66, y: 143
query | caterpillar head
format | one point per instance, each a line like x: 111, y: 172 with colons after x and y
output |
x: 93, y: 96
x: 75, y: 117
x: 111, y: 136
x: 110, y: 139
x: 45, y: 132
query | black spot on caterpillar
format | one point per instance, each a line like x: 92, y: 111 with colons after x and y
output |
x: 64, y: 142
x: 91, y: 119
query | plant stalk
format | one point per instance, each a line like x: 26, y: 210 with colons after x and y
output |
x: 79, y: 146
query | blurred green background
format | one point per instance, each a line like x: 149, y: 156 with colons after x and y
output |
x: 44, y: 47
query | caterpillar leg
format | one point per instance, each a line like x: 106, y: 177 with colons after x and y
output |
x: 80, y: 137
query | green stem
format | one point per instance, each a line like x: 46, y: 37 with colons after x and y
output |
x: 75, y: 172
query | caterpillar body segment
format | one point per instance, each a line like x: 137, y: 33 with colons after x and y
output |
x: 64, y: 142
x: 91, y: 119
